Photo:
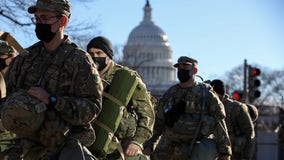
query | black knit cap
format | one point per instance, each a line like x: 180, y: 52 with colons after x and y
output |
x: 218, y: 86
x: 102, y: 43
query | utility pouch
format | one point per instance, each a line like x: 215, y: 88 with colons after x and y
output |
x: 204, y: 149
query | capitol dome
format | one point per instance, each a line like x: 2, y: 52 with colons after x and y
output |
x: 148, y: 51
x: 148, y: 32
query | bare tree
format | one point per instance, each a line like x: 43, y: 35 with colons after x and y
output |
x: 14, y: 13
x: 271, y: 88
x: 234, y: 79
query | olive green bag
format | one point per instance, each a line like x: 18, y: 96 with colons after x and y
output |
x: 117, y: 97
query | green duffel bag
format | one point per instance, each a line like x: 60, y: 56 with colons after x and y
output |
x: 117, y: 97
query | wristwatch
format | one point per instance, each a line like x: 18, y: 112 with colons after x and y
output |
x: 52, y: 101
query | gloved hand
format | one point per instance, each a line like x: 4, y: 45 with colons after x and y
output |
x: 173, y: 114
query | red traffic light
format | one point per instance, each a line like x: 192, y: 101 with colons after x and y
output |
x: 253, y: 83
x: 256, y: 71
x: 237, y: 95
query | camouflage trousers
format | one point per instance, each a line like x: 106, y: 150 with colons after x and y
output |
x: 170, y: 151
x: 118, y: 157
x: 114, y: 154
x: 236, y: 156
x: 72, y: 150
x: 205, y: 149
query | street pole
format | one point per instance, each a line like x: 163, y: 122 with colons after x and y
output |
x: 245, y: 92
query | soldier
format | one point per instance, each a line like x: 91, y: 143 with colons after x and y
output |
x: 190, y: 120
x: 53, y: 92
x: 7, y: 54
x: 239, y: 123
x: 137, y: 121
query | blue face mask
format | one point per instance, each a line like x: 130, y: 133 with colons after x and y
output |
x: 101, y: 62
x: 184, y: 75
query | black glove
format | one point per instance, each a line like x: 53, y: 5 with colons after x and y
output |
x: 180, y: 108
x: 173, y: 114
x: 169, y: 118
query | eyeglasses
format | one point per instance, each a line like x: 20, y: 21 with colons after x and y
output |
x: 43, y: 18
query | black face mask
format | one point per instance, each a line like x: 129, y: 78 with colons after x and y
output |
x: 184, y: 75
x: 2, y: 63
x: 44, y: 33
x: 101, y: 62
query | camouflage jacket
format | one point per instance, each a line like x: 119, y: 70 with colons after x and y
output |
x: 137, y: 121
x: 184, y: 128
x: 240, y: 127
x: 68, y: 72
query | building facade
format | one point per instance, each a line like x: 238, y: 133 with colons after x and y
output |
x: 148, y: 52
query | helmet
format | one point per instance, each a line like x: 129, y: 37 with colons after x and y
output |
x: 19, y: 114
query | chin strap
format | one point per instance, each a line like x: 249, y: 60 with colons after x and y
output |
x: 200, y: 77
x: 5, y: 36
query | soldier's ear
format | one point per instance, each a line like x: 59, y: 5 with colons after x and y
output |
x: 64, y: 20
x: 195, y: 70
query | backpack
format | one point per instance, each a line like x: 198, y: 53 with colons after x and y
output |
x: 253, y: 112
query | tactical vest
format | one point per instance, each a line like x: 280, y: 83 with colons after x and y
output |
x: 33, y: 111
x: 186, y: 126
x: 51, y: 75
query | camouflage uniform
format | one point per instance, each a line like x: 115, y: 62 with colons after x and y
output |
x: 138, y: 119
x: 70, y: 74
x: 240, y: 128
x: 5, y: 136
x: 5, y: 50
x: 176, y: 139
x: 239, y: 120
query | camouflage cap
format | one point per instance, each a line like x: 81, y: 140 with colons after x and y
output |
x: 5, y: 48
x: 60, y: 6
x: 186, y: 60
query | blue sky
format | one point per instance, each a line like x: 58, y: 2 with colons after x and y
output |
x: 220, y: 34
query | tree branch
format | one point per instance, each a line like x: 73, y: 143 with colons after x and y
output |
x: 14, y: 20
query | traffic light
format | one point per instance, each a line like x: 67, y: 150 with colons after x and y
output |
x: 238, y: 95
x: 253, y: 83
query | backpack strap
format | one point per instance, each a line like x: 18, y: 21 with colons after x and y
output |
x: 202, y: 101
x: 2, y: 87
